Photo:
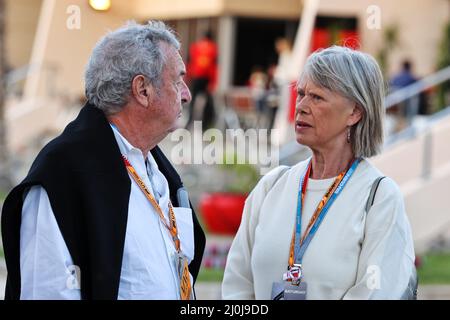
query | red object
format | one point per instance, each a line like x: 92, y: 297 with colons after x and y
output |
x: 203, y: 61
x: 349, y: 39
x: 320, y: 39
x: 292, y: 100
x: 222, y: 212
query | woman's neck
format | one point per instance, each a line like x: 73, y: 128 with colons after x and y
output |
x: 330, y: 163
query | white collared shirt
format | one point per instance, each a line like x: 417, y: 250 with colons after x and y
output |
x: 148, y: 268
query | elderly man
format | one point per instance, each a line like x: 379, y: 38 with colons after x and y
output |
x: 102, y: 213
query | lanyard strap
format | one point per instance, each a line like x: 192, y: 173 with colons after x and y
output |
x: 173, y: 223
x: 297, y: 249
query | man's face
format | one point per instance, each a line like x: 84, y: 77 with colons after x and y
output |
x: 172, y: 92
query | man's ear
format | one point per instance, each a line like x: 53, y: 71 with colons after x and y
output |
x: 356, y: 115
x: 141, y: 90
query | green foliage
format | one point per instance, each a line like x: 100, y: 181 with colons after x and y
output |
x: 390, y: 42
x: 442, y: 62
x: 242, y: 178
x: 210, y: 275
x: 435, y: 268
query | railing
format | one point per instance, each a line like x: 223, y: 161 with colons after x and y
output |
x: 417, y: 87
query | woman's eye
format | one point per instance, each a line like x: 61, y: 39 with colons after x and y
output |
x: 316, y: 97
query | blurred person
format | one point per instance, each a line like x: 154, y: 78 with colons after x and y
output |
x: 258, y: 82
x: 279, y: 77
x: 329, y: 227
x: 272, y: 98
x: 202, y: 69
x: 403, y: 79
x: 282, y: 71
x: 98, y: 216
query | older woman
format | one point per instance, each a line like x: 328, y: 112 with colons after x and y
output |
x: 327, y: 228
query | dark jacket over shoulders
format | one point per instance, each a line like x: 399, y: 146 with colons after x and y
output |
x: 88, y: 187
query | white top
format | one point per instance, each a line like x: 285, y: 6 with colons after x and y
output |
x: 148, y: 270
x: 353, y: 255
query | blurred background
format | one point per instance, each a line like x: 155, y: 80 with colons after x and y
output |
x: 256, y: 49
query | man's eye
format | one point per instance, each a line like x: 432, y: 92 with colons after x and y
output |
x: 316, y: 97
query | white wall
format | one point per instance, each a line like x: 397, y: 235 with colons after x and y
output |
x: 426, y: 198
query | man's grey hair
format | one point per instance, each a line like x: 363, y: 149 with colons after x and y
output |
x: 121, y: 55
x: 356, y: 76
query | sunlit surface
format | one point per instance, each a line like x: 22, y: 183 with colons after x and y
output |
x: 100, y: 5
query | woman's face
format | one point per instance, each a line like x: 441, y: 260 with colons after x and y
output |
x: 322, y: 116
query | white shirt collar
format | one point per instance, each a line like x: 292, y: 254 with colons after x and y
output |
x: 132, y: 153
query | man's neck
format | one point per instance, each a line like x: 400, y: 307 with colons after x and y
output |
x: 330, y: 162
x: 134, y: 130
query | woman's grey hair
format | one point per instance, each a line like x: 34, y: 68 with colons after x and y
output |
x: 119, y: 56
x: 356, y: 76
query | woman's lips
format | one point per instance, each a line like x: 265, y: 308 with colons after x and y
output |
x: 301, y: 125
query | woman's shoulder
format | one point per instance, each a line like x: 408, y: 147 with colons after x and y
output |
x: 270, y: 178
x: 387, y: 185
x: 282, y: 172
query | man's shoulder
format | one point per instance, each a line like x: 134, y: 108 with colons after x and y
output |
x: 79, y: 143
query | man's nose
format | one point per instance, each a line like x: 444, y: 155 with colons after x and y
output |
x: 185, y: 94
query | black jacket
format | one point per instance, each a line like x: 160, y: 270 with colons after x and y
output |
x: 88, y: 186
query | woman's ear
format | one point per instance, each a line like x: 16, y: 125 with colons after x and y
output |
x: 356, y: 115
x: 141, y: 90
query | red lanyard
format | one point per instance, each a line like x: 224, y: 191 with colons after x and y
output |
x: 173, y: 223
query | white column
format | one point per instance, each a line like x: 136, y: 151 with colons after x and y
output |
x: 299, y: 55
x: 38, y: 52
x: 302, y: 42
x: 226, y: 43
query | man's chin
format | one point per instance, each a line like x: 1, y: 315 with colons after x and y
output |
x: 177, y: 125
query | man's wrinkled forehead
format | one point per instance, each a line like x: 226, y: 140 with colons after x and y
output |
x: 180, y: 63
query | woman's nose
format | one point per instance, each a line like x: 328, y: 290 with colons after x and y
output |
x: 301, y: 105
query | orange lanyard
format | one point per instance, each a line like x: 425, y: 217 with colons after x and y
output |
x: 173, y: 223
x: 317, y: 212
